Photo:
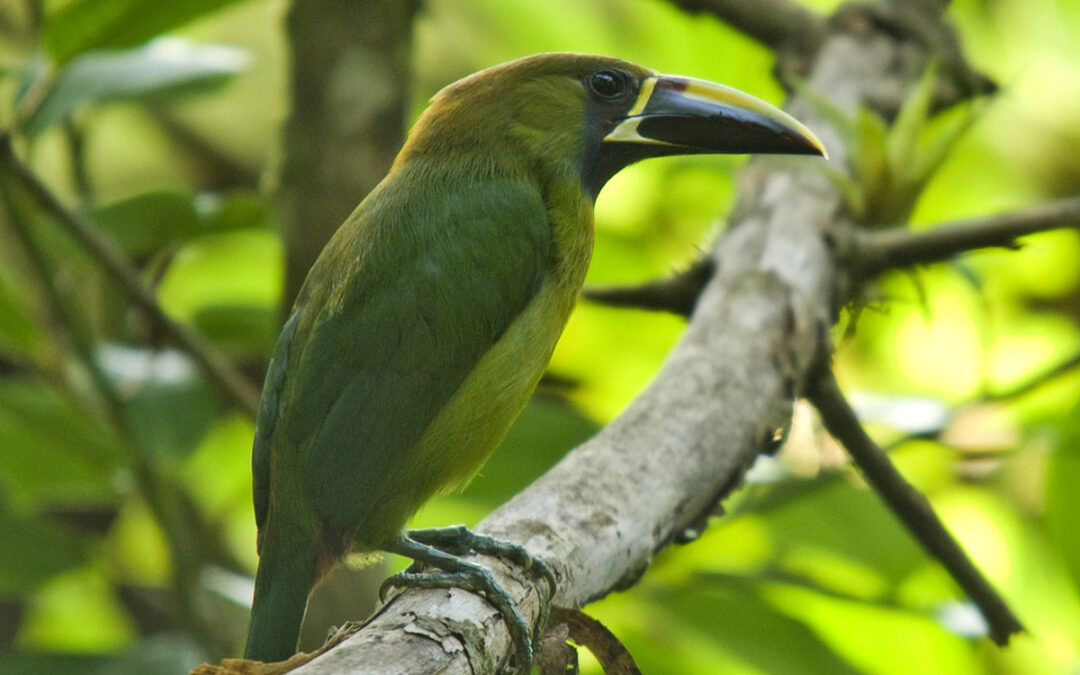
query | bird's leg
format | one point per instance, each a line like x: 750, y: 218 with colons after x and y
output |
x: 441, y: 548
x: 460, y: 540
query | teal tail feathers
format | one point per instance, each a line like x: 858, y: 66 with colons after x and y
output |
x: 282, y: 584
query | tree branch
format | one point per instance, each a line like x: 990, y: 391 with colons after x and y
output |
x: 877, y: 252
x: 779, y: 24
x: 230, y: 381
x: 909, y: 505
x: 676, y: 294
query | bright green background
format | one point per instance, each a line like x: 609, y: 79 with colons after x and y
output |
x: 807, y: 573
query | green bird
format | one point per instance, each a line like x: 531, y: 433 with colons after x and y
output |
x: 428, y: 319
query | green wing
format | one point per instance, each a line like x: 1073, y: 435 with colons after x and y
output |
x: 398, y: 310
x: 267, y: 420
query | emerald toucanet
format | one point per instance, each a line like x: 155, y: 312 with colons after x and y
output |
x: 429, y: 317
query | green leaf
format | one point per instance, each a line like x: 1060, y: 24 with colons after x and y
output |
x: 869, y: 158
x: 232, y: 212
x: 241, y: 331
x: 155, y: 221
x: 164, y: 66
x: 1062, y: 500
x: 737, y: 619
x: 149, y: 222
x: 34, y: 549
x: 877, y: 639
x: 935, y: 151
x: 840, y: 519
x: 17, y: 331
x: 51, y: 448
x: 169, y: 406
x: 910, y: 121
x: 83, y: 25
x: 227, y: 282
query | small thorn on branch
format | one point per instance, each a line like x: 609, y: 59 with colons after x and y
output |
x: 909, y: 505
x: 676, y: 294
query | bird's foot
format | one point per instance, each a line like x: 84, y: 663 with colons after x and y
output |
x: 460, y: 540
x: 440, y: 548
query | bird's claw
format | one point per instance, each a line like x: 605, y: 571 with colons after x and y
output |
x: 460, y: 540
x: 441, y: 547
x: 477, y: 580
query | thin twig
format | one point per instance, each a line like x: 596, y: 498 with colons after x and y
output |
x: 242, y: 393
x: 1034, y: 382
x: 676, y: 294
x: 909, y: 505
x: 1016, y: 391
x: 793, y: 490
x: 900, y: 247
x: 217, y: 168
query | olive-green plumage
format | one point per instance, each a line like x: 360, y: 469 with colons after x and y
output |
x: 430, y: 316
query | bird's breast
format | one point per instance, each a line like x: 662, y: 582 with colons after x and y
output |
x: 482, y: 409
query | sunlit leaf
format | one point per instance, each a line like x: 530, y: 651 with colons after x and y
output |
x: 155, y: 221
x: 1062, y: 504
x: 877, y: 639
x: 82, y: 25
x: 228, y: 284
x: 149, y: 221
x: 169, y: 406
x: 735, y: 617
x: 52, y: 449
x: 164, y: 66
x: 218, y: 472
x: 77, y: 611
x: 846, y: 520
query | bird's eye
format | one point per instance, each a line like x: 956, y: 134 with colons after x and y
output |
x: 607, y: 84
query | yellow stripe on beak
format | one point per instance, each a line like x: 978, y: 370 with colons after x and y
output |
x: 707, y: 117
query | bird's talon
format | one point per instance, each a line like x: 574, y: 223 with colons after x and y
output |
x: 385, y: 587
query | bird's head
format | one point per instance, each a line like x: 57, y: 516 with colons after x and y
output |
x: 594, y: 115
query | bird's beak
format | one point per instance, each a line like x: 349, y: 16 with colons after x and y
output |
x: 697, y: 116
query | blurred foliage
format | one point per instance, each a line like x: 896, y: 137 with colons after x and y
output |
x: 126, y: 536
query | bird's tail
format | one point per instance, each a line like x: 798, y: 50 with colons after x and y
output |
x: 285, y: 576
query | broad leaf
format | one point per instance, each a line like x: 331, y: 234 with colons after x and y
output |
x: 154, y: 221
x: 162, y: 66
x: 34, y: 549
x: 169, y: 405
x: 83, y: 25
x: 51, y: 448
